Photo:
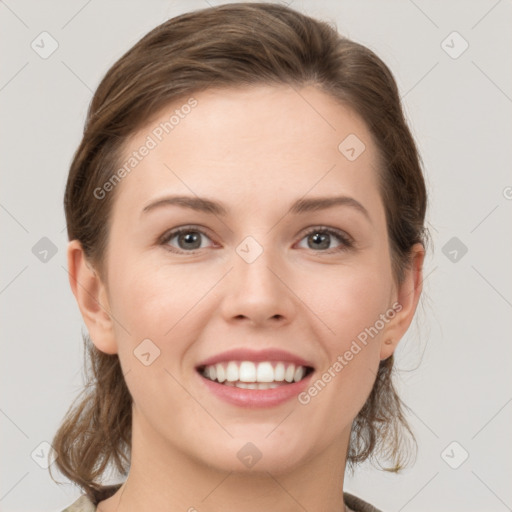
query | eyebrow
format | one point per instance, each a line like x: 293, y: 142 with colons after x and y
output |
x: 300, y: 206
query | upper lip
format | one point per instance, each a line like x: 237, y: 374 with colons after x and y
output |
x: 244, y: 354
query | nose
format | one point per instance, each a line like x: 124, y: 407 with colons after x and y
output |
x: 258, y: 293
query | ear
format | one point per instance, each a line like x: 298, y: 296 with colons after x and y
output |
x: 91, y: 296
x: 406, y: 300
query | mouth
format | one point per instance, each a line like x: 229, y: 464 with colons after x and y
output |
x: 260, y: 375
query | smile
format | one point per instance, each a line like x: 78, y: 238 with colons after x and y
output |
x: 251, y: 375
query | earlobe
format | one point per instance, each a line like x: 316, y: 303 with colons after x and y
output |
x: 91, y: 296
x: 408, y: 295
x: 387, y: 348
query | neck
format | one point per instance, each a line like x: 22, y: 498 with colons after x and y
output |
x: 164, y: 478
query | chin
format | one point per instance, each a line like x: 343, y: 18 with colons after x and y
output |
x: 254, y: 451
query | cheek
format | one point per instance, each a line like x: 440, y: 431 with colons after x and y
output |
x: 352, y: 305
x: 162, y: 304
x: 349, y: 300
x: 153, y: 313
x: 152, y: 300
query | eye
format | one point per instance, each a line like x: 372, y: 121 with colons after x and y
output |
x: 321, y: 237
x: 188, y: 239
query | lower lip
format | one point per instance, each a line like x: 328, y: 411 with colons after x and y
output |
x: 256, y: 397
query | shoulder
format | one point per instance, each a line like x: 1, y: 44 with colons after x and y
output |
x: 82, y: 504
x: 85, y: 504
x: 357, y: 504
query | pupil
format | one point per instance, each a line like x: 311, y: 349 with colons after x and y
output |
x: 317, y: 237
x: 320, y: 240
x: 188, y: 237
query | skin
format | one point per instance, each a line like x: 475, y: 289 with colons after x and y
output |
x: 256, y: 150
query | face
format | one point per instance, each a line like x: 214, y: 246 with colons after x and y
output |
x: 263, y: 270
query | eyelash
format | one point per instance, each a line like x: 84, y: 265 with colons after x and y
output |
x: 347, y: 242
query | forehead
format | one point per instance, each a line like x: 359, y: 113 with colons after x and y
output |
x: 253, y: 147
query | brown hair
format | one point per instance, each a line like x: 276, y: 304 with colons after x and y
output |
x: 231, y: 45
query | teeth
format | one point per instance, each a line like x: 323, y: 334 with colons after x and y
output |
x: 265, y: 373
x: 299, y: 373
x: 246, y: 385
x: 250, y: 375
x: 256, y: 385
x: 232, y: 372
x: 247, y: 371
x: 279, y: 371
x: 221, y: 373
x: 268, y: 385
x: 289, y: 373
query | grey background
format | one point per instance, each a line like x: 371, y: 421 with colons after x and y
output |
x: 455, y: 360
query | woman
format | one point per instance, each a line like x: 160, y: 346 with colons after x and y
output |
x: 250, y: 369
